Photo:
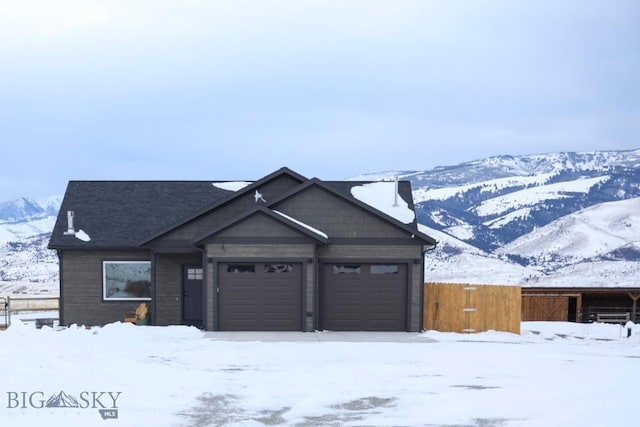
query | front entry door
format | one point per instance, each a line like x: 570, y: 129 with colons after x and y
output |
x: 192, y: 297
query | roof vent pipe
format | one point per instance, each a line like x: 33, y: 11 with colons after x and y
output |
x: 70, y: 230
x: 395, y: 195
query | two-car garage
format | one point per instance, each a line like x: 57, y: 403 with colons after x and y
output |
x: 268, y: 296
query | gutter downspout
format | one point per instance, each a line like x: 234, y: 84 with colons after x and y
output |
x: 316, y: 289
x: 60, y: 292
x: 153, y: 316
x: 205, y: 279
x: 424, y: 254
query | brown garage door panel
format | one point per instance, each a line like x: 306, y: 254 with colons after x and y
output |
x: 354, y: 298
x: 254, y: 297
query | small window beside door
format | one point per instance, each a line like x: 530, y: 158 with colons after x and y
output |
x: 194, y: 274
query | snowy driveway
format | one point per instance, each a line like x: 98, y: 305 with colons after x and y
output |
x: 320, y: 336
x: 123, y: 375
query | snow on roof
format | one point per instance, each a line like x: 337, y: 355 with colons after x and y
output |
x: 382, y: 196
x: 307, y: 226
x: 232, y: 185
x: 82, y: 235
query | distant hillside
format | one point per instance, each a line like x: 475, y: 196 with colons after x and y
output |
x: 25, y: 227
x: 498, y: 204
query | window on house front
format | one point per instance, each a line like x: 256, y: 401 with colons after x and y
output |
x: 241, y: 268
x: 346, y: 269
x: 126, y: 280
x: 194, y: 274
x: 384, y: 269
x: 278, y: 268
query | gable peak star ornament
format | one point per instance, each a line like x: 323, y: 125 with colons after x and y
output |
x: 258, y: 197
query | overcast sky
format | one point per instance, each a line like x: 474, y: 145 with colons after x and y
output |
x: 226, y: 90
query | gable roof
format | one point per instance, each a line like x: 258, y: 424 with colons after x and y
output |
x: 279, y: 217
x: 342, y: 189
x: 215, y: 205
x: 130, y: 214
x: 119, y: 214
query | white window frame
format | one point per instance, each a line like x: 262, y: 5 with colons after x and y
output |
x: 106, y: 289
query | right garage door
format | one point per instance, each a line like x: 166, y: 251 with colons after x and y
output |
x: 364, y: 297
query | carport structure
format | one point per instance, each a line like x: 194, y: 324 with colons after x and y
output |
x: 580, y: 304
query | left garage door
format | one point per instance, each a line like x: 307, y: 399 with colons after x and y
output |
x: 260, y: 296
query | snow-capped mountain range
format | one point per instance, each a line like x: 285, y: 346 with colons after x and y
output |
x: 560, y: 219
x: 26, y: 265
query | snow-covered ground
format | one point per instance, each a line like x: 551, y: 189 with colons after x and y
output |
x: 25, y: 289
x: 554, y: 374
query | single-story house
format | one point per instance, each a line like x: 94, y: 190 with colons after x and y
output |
x: 281, y: 253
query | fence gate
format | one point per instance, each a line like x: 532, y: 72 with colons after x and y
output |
x: 545, y: 308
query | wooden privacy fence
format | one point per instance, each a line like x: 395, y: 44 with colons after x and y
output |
x: 459, y: 307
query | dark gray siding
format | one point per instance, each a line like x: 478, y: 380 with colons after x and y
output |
x: 259, y: 226
x: 336, y: 217
x: 82, y: 288
x: 168, y: 291
x: 229, y: 211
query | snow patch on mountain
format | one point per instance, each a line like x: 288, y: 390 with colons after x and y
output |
x: 517, y: 215
x: 595, y: 274
x: 492, y: 185
x: 28, y: 209
x: 382, y: 176
x: 590, y: 233
x: 454, y: 261
x: 50, y: 204
x: 536, y: 195
x: 446, y: 240
x: 16, y: 231
x: 29, y: 260
x: 462, y: 231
